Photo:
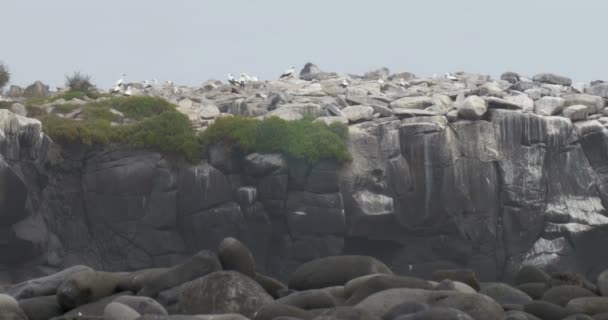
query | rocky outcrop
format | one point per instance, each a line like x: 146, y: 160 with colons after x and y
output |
x: 467, y: 172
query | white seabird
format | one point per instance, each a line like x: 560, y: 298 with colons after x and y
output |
x: 450, y: 77
x: 242, y: 81
x: 147, y: 84
x: 246, y: 76
x: 402, y: 83
x: 381, y: 82
x: 121, y: 81
x: 344, y: 84
x: 116, y: 89
x: 254, y: 79
x: 288, y: 73
x: 231, y: 79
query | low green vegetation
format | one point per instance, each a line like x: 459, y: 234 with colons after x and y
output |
x: 302, y: 139
x: 154, y: 123
x: 5, y: 75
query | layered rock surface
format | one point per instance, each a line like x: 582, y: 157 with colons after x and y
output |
x: 474, y: 172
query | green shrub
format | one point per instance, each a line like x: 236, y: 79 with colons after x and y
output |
x: 302, y: 139
x: 79, y: 82
x: 5, y: 75
x: 65, y: 107
x: 67, y: 96
x: 6, y: 104
x: 169, y: 132
x: 160, y: 127
x: 34, y: 111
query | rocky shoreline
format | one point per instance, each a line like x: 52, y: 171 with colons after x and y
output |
x: 225, y: 285
x: 456, y: 172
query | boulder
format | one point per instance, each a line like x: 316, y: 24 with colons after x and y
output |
x: 285, y: 114
x: 334, y: 271
x: 595, y: 104
x: 332, y: 119
x: 549, y: 106
x: 519, y: 315
x: 209, y: 111
x: 472, y: 108
x: 258, y: 165
x: 119, y: 311
x: 505, y: 294
x: 375, y: 74
x: 93, y: 309
x: 14, y: 91
x: 360, y: 289
x: 275, y: 310
x: 561, y: 295
x: 588, y: 305
x: 510, y: 77
x: 551, y: 78
x: 345, y: 313
x: 602, y: 282
x: 438, y: 313
x: 466, y: 276
x: 10, y: 310
x: 531, y: 274
x: 535, y: 290
x: 201, y: 264
x: 419, y: 103
x: 546, y: 310
x: 222, y: 292
x: 599, y: 89
x: 234, y: 255
x: 309, y: 299
x: 19, y: 109
x: 358, y: 113
x: 273, y: 286
x: 448, y: 284
x: 523, y: 101
x: 13, y: 195
x: 309, y: 69
x: 143, y: 305
x: 41, y: 307
x: 576, y: 112
x: 37, y: 90
x: 405, y: 308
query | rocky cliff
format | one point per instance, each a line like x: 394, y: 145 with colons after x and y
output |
x: 462, y: 171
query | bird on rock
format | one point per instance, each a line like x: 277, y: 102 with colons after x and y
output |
x: 231, y: 79
x: 288, y: 73
x: 344, y: 84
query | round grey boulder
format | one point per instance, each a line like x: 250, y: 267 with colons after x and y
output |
x: 143, y: 305
x: 588, y: 305
x: 505, y: 294
x: 222, y: 292
x: 10, y: 310
x: 405, y: 308
x: 561, y: 295
x: 119, y: 311
x: 472, y: 108
x: 530, y: 274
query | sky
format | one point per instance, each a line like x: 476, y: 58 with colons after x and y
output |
x: 190, y: 41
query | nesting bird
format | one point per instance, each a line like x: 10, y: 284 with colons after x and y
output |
x: 344, y: 84
x: 231, y: 79
x: 288, y: 73
x: 121, y: 81
x: 402, y: 83
x: 450, y: 77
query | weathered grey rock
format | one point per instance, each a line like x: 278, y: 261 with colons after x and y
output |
x: 119, y: 311
x: 448, y: 284
x: 37, y: 90
x: 143, y: 305
x: 510, y: 77
x: 369, y: 285
x: 19, y: 109
x: 309, y: 69
x: 588, y: 305
x: 466, y: 276
x: 15, y: 91
x: 309, y: 299
x: 600, y: 89
x: 406, y: 308
x: 258, y: 165
x: 472, y: 108
x: 576, y: 112
x: 546, y: 310
x: 595, y: 104
x: 285, y: 114
x: 531, y: 274
x: 505, y: 294
x: 549, y: 106
x: 329, y: 120
x: 380, y: 73
x: 41, y: 308
x: 199, y: 265
x: 561, y: 295
x: 523, y: 101
x: 209, y: 111
x: 412, y: 103
x: 304, y: 109
x: 438, y: 313
x: 602, y: 283
x: 358, y: 113
x: 10, y: 310
x: 222, y: 292
x: 552, y: 79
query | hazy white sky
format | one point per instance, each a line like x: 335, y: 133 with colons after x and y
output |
x: 189, y: 41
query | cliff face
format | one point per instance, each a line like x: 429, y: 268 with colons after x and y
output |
x: 512, y: 187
